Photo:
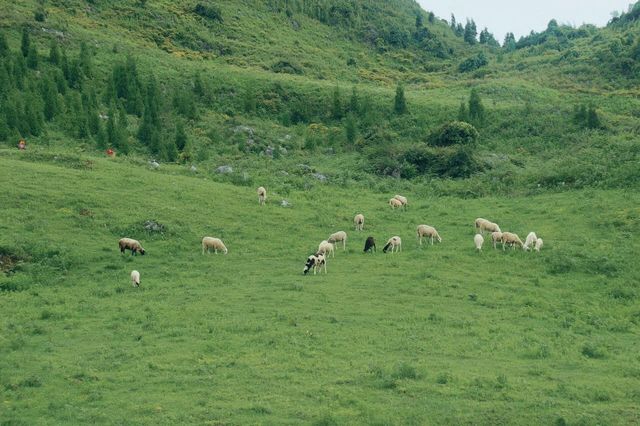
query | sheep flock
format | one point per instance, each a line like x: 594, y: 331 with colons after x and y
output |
x: 317, y: 261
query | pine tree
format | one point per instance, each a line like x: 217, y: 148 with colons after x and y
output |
x: 49, y: 98
x: 6, y: 82
x: 181, y: 137
x: 19, y: 70
x: 350, y: 129
x: 249, y: 102
x: 354, y: 102
x: 12, y: 111
x: 198, y: 86
x: 64, y: 65
x: 470, y: 32
x: 463, y: 113
x: 400, y: 104
x: 509, y: 42
x: 336, y: 108
x: 580, y: 114
x: 4, y: 46
x: 593, y: 121
x: 25, y: 43
x: 33, y: 115
x: 170, y: 151
x: 101, y: 138
x: 32, y: 58
x: 112, y: 135
x: 453, y: 23
x: 84, y: 60
x: 5, y: 131
x: 54, y: 53
x: 476, y: 109
x: 149, y: 130
x: 75, y: 75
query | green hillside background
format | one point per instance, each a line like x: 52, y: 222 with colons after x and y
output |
x: 334, y: 107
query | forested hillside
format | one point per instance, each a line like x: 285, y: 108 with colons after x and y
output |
x: 377, y: 84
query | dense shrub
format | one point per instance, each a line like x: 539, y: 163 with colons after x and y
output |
x: 287, y: 67
x: 208, y: 11
x: 473, y: 63
x: 454, y: 133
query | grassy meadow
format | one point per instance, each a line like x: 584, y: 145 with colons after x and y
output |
x: 433, y: 335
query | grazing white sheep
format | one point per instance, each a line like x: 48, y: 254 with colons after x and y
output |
x: 213, y: 243
x: 358, y: 220
x: 262, y: 195
x: 429, y: 232
x: 394, y: 203
x: 530, y: 241
x: 337, y: 237
x: 326, y: 247
x: 135, y: 278
x: 512, y: 239
x: 478, y: 240
x: 495, y: 237
x: 402, y: 199
x: 485, y: 225
x: 131, y: 244
x: 394, y: 243
x: 538, y: 245
x: 315, y: 261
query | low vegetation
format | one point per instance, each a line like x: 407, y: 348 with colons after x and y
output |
x: 157, y: 120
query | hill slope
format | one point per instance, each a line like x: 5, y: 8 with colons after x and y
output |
x: 440, y: 333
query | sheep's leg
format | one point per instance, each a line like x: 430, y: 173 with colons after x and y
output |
x: 432, y: 240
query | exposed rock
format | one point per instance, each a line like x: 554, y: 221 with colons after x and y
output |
x: 320, y: 177
x: 224, y: 169
x: 153, y: 226
x: 244, y: 129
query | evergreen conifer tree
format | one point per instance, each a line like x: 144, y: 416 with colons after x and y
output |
x: 476, y: 109
x: 336, y: 108
x: 400, y: 104
x: 54, y: 53
x: 354, y: 103
x: 4, y: 46
x: 593, y: 121
x: 470, y: 32
x: 32, y: 58
x: 84, y: 60
x: 49, y: 98
x: 350, y: 129
x: 181, y: 136
x: 25, y: 43
x: 463, y: 113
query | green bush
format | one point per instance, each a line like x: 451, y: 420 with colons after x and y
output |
x: 454, y: 133
x: 473, y: 63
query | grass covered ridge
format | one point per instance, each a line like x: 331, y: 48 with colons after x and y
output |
x: 440, y: 334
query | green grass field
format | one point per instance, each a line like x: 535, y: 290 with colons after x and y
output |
x: 433, y: 335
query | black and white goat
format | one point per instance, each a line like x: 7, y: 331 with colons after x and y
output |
x: 315, y: 262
